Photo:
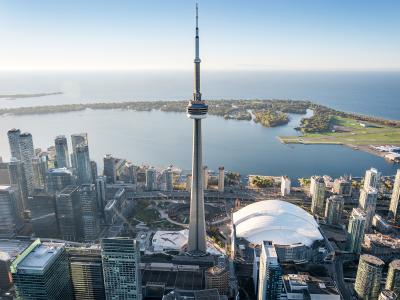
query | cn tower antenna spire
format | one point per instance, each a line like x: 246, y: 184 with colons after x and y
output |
x: 197, y: 61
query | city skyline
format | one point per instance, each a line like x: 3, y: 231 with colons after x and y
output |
x: 261, y: 35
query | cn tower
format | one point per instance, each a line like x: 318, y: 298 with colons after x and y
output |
x: 197, y: 110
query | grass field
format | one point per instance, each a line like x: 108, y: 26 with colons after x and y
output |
x: 354, y: 134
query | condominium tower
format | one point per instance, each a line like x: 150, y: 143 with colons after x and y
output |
x: 394, y: 209
x: 369, y: 276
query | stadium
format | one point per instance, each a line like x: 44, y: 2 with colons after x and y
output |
x: 293, y: 231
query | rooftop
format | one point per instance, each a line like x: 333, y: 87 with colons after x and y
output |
x: 14, y: 247
x: 5, y: 188
x: 373, y: 260
x: 382, y: 240
x: 395, y: 264
x: 278, y: 221
x: 40, y: 256
x: 306, y: 284
x: 60, y: 171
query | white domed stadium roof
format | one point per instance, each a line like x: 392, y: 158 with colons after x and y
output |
x: 278, y: 221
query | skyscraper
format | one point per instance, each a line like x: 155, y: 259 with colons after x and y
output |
x: 41, y: 272
x: 62, y: 156
x: 167, y: 180
x: 39, y: 166
x: 367, y: 202
x: 83, y: 166
x: 27, y: 154
x: 101, y: 193
x: 342, y: 186
x: 356, y: 230
x: 318, y: 195
x: 394, y: 209
x: 86, y: 272
x: 221, y: 179
x: 89, y: 212
x: 333, y: 209
x: 9, y: 217
x: 369, y: 275
x: 58, y: 179
x: 69, y: 214
x: 270, y: 274
x: 121, y: 268
x: 109, y: 168
x: 151, y: 179
x: 372, y: 179
x: 13, y: 140
x: 197, y: 110
x: 393, y: 277
x: 285, y: 186
x: 93, y: 169
x: 43, y: 214
x: 205, y: 177
x: 18, y: 182
x: 77, y: 139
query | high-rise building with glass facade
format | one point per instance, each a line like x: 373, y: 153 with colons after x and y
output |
x: 393, y: 277
x: 221, y: 179
x: 27, y: 154
x: 167, y: 180
x: 151, y: 179
x: 121, y: 268
x: 333, y: 209
x: 18, y: 183
x: 394, y: 209
x: 39, y: 165
x: 369, y: 276
x: 270, y: 273
x: 41, y: 272
x: 356, y: 230
x: 318, y: 195
x: 93, y: 170
x: 109, y: 168
x: 42, y: 206
x: 62, y: 156
x: 83, y: 166
x: 86, y: 273
x: 69, y: 214
x: 58, y: 179
x: 90, y: 222
x: 372, y: 179
x: 13, y: 140
x: 101, y: 193
x: 367, y: 202
x: 77, y: 139
x: 9, y: 217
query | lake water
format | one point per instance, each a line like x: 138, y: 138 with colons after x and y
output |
x: 161, y: 139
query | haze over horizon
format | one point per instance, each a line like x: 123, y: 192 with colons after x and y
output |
x: 235, y: 35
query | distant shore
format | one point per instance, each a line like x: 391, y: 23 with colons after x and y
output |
x: 22, y: 96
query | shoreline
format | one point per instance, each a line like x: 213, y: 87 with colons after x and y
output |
x: 363, y: 148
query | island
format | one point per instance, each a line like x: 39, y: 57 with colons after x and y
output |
x: 325, y: 126
x: 269, y: 113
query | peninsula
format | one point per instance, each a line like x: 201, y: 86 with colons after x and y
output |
x: 20, y: 96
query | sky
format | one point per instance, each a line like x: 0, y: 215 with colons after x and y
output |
x: 234, y: 35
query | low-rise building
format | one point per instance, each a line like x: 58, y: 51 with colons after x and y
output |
x: 304, y: 286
